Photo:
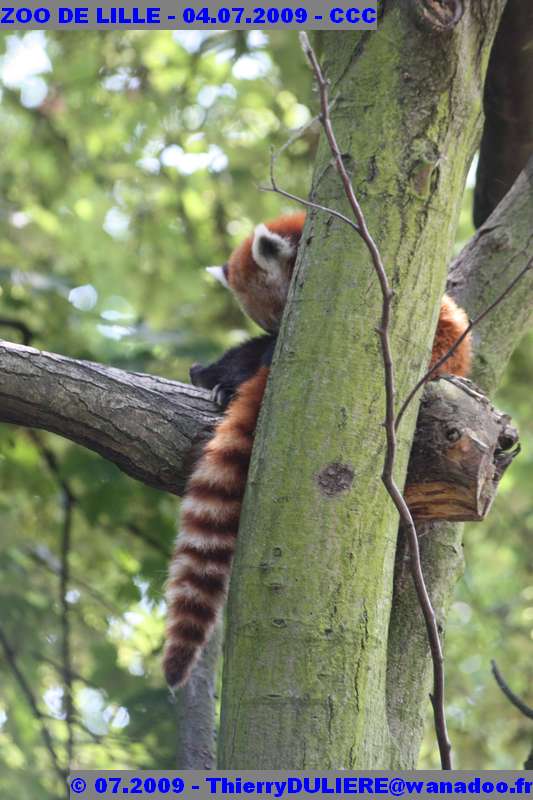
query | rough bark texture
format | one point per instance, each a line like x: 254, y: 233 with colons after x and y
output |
x: 498, y: 251
x: 197, y: 711
x: 306, y: 654
x: 318, y: 668
x: 144, y: 424
x: 462, y: 447
x: 479, y: 274
x: 507, y: 139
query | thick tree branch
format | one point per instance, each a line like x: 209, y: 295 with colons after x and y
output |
x: 324, y: 618
x: 489, y: 263
x: 507, y: 139
x: 197, y: 710
x: 144, y: 424
x: 388, y: 476
x: 471, y: 325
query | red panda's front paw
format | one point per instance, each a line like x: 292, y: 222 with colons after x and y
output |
x: 222, y: 395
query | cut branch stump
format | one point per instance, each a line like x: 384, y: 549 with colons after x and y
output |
x: 462, y: 447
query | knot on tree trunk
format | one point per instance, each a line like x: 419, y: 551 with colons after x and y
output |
x: 462, y: 447
x: 437, y: 16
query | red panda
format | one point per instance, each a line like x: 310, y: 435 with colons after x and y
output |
x: 258, y: 273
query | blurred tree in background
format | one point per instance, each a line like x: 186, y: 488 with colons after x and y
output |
x: 131, y: 161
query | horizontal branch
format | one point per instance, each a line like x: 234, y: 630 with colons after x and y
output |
x: 144, y: 424
x: 148, y: 425
x: 151, y: 428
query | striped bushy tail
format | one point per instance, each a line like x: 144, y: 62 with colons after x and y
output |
x: 201, y: 564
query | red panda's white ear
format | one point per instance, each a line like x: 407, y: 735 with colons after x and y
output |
x: 219, y: 274
x: 269, y: 249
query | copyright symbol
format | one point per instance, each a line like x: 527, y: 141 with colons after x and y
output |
x: 397, y: 787
x: 78, y: 785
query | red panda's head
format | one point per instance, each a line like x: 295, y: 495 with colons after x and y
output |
x: 259, y: 271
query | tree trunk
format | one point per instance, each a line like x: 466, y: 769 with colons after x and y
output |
x: 486, y: 266
x: 310, y: 670
x: 499, y: 250
x: 196, y: 706
x: 507, y: 139
x: 306, y: 654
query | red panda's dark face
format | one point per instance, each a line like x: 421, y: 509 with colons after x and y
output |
x: 259, y: 271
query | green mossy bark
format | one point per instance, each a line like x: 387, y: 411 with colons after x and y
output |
x: 409, y: 669
x: 306, y: 652
x: 500, y: 249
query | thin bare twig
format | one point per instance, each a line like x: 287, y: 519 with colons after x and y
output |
x: 302, y: 201
x: 513, y: 698
x: 472, y: 324
x: 437, y: 698
x: 307, y: 203
x: 40, y: 718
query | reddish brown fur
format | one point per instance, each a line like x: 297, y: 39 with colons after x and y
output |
x: 201, y: 564
x: 265, y: 307
x: 452, y: 322
x: 250, y: 284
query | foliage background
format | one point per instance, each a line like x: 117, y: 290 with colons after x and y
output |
x: 131, y: 161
